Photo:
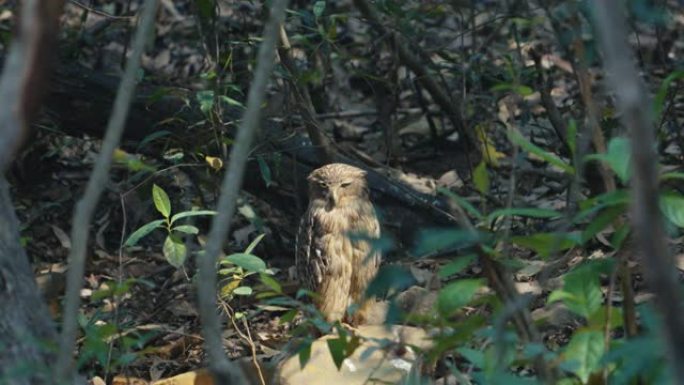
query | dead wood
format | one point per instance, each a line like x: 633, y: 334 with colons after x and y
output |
x: 79, y: 101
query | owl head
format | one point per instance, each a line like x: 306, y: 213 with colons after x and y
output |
x: 337, y: 185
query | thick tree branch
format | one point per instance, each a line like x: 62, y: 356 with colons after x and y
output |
x: 647, y: 220
x: 24, y: 318
x: 86, y: 206
x: 224, y: 371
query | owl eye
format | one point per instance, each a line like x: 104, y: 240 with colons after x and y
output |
x: 346, y: 184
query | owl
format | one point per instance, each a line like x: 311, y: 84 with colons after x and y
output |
x: 333, y: 255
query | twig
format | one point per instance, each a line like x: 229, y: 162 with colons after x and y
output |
x: 303, y: 100
x: 501, y: 282
x: 100, y: 13
x: 451, y: 107
x: 647, y: 221
x: 86, y: 206
x: 554, y: 115
x: 224, y: 371
x: 245, y: 337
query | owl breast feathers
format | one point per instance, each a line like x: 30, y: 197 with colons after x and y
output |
x: 333, y: 256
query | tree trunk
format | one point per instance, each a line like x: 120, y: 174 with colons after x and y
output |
x: 27, y: 332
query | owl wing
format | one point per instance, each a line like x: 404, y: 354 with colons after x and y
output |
x: 308, y: 260
x: 367, y: 261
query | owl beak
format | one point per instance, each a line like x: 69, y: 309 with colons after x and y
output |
x: 333, y: 197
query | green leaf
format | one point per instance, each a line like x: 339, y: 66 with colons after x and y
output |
x: 152, y: 137
x: 161, y: 201
x: 518, y: 89
x: 464, y: 204
x: 612, y: 198
x: 337, y: 349
x: 265, y: 171
x: 583, y: 354
x: 318, y: 8
x: 439, y: 239
x: 475, y: 357
x: 597, y: 321
x: 248, y: 262
x: 254, y: 243
x: 187, y: 229
x: 672, y: 206
x: 243, y: 290
x: 195, y: 213
x: 522, y: 212
x: 457, y: 294
x: 390, y: 277
x: 206, y: 8
x: 456, y: 266
x: 672, y: 175
x: 143, y: 231
x: 481, y: 178
x: 341, y: 348
x: 602, y: 220
x: 174, y: 251
x: 304, y: 353
x: 516, y: 138
x: 581, y: 291
x: 617, y: 157
x: 271, y: 282
x: 659, y: 100
x: 289, y: 316
x: 205, y: 100
x: 547, y: 243
x: 231, y: 102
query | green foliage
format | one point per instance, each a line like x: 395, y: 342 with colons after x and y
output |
x: 173, y: 248
x: 581, y: 291
x: 457, y: 294
x: 481, y: 178
x: 582, y: 356
x: 672, y: 206
x: 516, y: 138
x: 106, y: 344
x: 235, y: 268
x: 618, y: 157
x: 343, y: 346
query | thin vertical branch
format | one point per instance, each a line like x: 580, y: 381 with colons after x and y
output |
x: 86, y: 206
x: 647, y: 225
x: 224, y: 371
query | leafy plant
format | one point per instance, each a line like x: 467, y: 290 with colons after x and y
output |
x: 238, y: 266
x: 174, y: 249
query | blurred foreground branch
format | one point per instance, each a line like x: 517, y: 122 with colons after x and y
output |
x: 225, y: 372
x: 85, y: 208
x: 647, y: 221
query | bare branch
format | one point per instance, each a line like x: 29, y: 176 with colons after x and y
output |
x: 450, y: 104
x: 224, y: 371
x: 647, y: 221
x: 86, y: 206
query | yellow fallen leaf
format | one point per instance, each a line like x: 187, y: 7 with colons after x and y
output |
x: 490, y: 154
x: 214, y: 162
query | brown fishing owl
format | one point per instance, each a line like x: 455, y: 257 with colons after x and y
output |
x: 330, y: 260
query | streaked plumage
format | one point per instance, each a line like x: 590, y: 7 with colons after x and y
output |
x: 328, y: 261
